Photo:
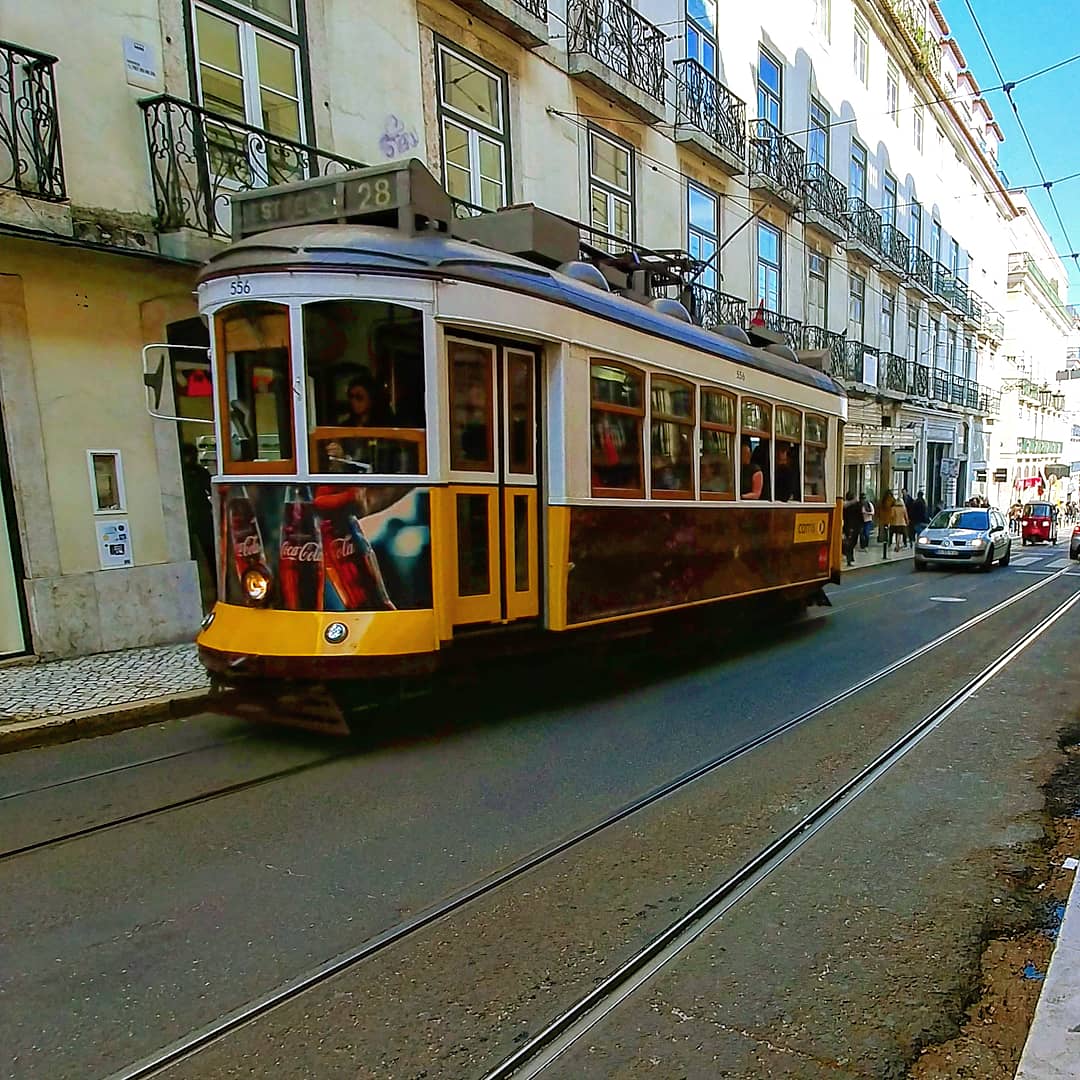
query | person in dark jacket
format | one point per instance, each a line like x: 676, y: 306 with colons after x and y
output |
x: 852, y: 525
x: 919, y: 516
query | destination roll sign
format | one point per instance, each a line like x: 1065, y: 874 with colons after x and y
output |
x: 402, y: 195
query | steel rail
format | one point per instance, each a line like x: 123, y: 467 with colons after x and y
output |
x: 560, y: 1034
x: 190, y: 1045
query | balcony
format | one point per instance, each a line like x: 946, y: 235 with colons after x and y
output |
x: 774, y: 328
x: 944, y: 284
x: 911, y: 17
x: 31, y: 164
x: 939, y: 386
x: 975, y: 309
x: 818, y: 339
x: 918, y: 380
x: 709, y: 117
x: 993, y: 325
x: 777, y: 165
x: 525, y: 21
x: 864, y: 230
x: 712, y: 309
x: 921, y: 270
x: 615, y: 51
x: 855, y: 362
x: 199, y: 159
x: 895, y: 246
x: 892, y: 373
x: 825, y: 202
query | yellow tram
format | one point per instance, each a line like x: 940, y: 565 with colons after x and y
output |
x: 427, y: 428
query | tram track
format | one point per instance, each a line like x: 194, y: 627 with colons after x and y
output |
x: 223, y: 1026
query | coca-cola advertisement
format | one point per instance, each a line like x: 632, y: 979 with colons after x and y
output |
x: 325, y: 547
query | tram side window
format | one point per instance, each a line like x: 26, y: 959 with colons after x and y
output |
x: 672, y: 436
x: 754, y: 450
x: 717, y: 445
x: 365, y: 371
x: 788, y: 443
x: 817, y: 442
x: 618, y: 413
x: 253, y: 348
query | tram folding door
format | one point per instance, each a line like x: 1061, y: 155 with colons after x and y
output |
x: 493, y: 483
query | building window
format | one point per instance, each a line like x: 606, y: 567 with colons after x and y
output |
x: 935, y: 241
x: 888, y: 199
x: 823, y: 17
x: 611, y: 189
x: 954, y: 258
x: 701, y: 33
x: 935, y: 343
x: 703, y: 216
x: 817, y: 146
x: 888, y: 319
x: 915, y: 224
x: 474, y: 129
x: 857, y: 171
x: 856, y: 306
x: 769, y: 242
x: 913, y: 335
x: 618, y: 412
x: 950, y: 355
x: 969, y: 359
x: 892, y: 92
x: 918, y: 125
x: 250, y: 71
x: 769, y: 98
x: 862, y: 52
x: 817, y: 289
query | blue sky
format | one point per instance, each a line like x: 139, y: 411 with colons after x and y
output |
x: 1025, y: 37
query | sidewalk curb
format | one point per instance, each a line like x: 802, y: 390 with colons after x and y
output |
x: 52, y: 730
x: 896, y: 560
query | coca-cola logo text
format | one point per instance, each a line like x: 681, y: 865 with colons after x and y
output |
x: 250, y: 545
x: 308, y: 552
x: 344, y: 547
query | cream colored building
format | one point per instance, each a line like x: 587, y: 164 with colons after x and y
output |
x: 828, y: 163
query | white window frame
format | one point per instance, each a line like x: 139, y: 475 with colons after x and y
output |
x: 118, y: 471
x: 778, y: 267
x: 814, y: 126
x: 246, y: 10
x: 823, y: 18
x: 892, y: 91
x: 770, y: 95
x: 703, y: 35
x: 823, y: 277
x: 888, y: 314
x: 917, y: 125
x: 611, y: 192
x: 854, y: 276
x: 475, y: 129
x: 862, y: 36
x: 709, y: 277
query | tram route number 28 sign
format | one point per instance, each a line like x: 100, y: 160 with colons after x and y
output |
x: 811, y: 528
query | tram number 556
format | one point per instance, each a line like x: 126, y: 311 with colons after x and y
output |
x: 240, y: 287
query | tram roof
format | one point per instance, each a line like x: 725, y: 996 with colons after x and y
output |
x: 382, y: 250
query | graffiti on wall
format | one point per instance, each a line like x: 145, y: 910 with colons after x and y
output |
x: 396, y: 139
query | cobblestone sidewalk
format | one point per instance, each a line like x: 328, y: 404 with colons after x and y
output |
x: 101, y: 682
x: 873, y: 556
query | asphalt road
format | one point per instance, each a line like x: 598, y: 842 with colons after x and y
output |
x: 117, y: 943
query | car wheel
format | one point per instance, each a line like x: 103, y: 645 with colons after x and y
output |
x: 919, y: 564
x: 1004, y: 560
x: 988, y: 562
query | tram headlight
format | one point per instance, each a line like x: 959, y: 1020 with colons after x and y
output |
x: 336, y: 633
x: 256, y: 585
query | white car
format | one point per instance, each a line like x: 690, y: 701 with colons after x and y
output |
x: 976, y: 537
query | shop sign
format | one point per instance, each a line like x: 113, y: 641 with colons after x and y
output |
x: 1001, y: 476
x: 903, y: 459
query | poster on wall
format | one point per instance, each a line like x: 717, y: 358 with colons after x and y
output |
x: 114, y: 544
x: 325, y: 547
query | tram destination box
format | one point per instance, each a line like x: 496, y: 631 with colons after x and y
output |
x: 401, y: 195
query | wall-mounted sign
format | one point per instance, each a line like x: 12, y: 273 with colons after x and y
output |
x: 140, y: 64
x: 114, y: 544
x: 980, y: 476
x: 950, y: 468
x: 1001, y: 476
x: 903, y: 459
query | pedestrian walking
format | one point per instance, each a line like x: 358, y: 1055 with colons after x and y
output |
x: 884, y: 519
x: 920, y: 517
x: 852, y: 521
x: 898, y: 526
x: 868, y: 512
x: 909, y: 509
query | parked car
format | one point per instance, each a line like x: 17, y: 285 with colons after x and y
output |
x: 1074, y: 544
x: 1038, y: 523
x: 976, y: 537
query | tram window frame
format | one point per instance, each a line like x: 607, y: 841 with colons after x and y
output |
x: 636, y: 413
x: 485, y: 466
x: 816, y: 445
x: 792, y: 438
x: 731, y: 430
x: 285, y: 403
x: 387, y: 441
x: 764, y: 433
x: 687, y: 425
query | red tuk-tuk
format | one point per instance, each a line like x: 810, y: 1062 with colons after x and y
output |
x: 1038, y: 523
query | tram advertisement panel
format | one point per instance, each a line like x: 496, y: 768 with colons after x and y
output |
x: 324, y: 547
x: 628, y: 559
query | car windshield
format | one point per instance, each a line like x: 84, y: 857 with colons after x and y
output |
x: 961, y: 519
x: 1040, y: 510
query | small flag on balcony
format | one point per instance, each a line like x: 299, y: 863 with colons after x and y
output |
x: 759, y: 315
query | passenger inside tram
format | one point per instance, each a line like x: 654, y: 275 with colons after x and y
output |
x: 752, y: 479
x: 787, y: 472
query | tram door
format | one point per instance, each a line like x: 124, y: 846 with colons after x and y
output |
x: 493, y: 482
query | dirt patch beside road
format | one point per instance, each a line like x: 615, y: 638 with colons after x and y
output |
x: 1020, y: 942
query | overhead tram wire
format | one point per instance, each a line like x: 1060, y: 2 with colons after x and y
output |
x: 1009, y: 87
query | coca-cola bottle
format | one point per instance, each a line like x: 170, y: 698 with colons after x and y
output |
x: 351, y: 564
x: 245, y: 540
x: 300, y: 561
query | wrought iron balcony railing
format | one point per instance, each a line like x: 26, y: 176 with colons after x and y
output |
x: 774, y: 156
x: 537, y: 8
x: 960, y: 296
x: 939, y: 385
x: 975, y: 307
x: 989, y: 402
x: 958, y: 390
x: 849, y: 360
x: 918, y: 380
x: 199, y: 158
x: 864, y: 223
x: 892, y: 372
x: 943, y: 282
x: 825, y: 194
x: 612, y: 32
x: 992, y: 322
x: 971, y: 394
x: 30, y: 159
x: 706, y: 103
x: 818, y: 338
x: 895, y: 246
x: 921, y: 267
x: 711, y: 308
x: 777, y: 323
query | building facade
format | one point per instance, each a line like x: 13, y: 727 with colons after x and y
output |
x: 822, y: 175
